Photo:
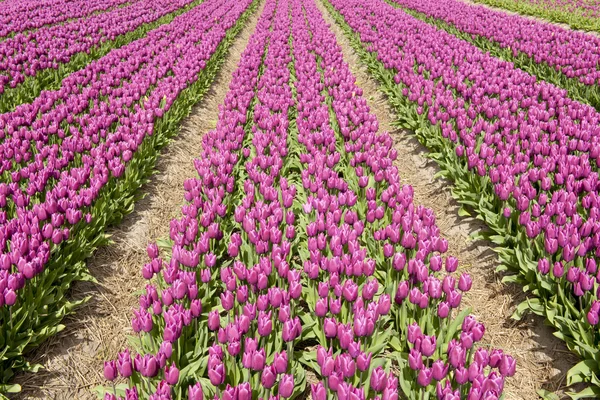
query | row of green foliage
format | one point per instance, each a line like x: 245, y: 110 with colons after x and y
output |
x: 552, y: 14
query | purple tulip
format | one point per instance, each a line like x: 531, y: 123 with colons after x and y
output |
x: 378, y: 379
x: 195, y: 392
x: 318, y: 391
x: 424, y: 377
x: 268, y: 377
x: 124, y: 364
x: 286, y: 386
x: 280, y: 362
x: 171, y: 374
x: 110, y: 370
x: 216, y: 374
x: 507, y: 365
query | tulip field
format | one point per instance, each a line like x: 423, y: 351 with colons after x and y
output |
x: 300, y: 264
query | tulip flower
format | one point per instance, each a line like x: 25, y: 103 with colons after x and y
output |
x: 110, y: 370
x: 378, y: 379
x: 286, y: 386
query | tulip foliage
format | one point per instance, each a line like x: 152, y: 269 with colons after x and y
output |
x: 523, y: 157
x: 560, y: 56
x: 578, y: 14
x: 299, y: 250
x: 74, y: 158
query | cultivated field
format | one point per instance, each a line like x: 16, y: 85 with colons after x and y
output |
x: 292, y: 199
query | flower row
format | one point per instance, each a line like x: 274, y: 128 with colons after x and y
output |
x: 48, y: 47
x: 297, y: 229
x: 521, y: 153
x: 22, y: 15
x: 86, y: 179
x: 575, y: 54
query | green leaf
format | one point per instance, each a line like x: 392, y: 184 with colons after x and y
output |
x: 590, y: 392
x: 547, y: 395
x: 581, y: 371
x: 463, y: 212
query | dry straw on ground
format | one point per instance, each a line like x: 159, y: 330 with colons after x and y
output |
x: 73, y: 360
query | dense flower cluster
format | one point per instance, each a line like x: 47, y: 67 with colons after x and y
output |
x: 352, y: 305
x: 538, y: 147
x: 62, y: 149
x: 573, y: 53
x: 297, y: 228
x: 524, y: 155
x: 22, y: 15
x: 28, y: 53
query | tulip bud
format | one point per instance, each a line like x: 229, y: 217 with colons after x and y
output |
x: 124, y: 365
x: 330, y: 328
x: 318, y: 391
x: 280, y: 362
x: 543, y: 266
x: 268, y: 377
x: 465, y: 282
x: 286, y: 386
x: 216, y: 374
x: 507, y: 366
x: 424, y: 377
x: 244, y: 392
x: 428, y: 345
x: 363, y: 361
x: 110, y: 370
x: 172, y: 374
x: 195, y: 392
x: 152, y: 250
x: 439, y: 370
x: 321, y: 307
x: 384, y: 304
x: 378, y: 379
x: 214, y: 321
x: 415, y: 359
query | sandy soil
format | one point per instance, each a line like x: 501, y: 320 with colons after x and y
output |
x: 542, y: 359
x: 73, y: 360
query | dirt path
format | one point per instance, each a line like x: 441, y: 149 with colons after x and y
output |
x: 73, y: 360
x: 542, y: 359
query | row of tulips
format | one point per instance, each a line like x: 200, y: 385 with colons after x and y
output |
x: 26, y: 54
x: 563, y: 57
x: 39, y: 60
x: 24, y: 15
x: 578, y: 14
x: 298, y: 249
x: 237, y: 315
x: 521, y: 154
x: 84, y: 152
x: 399, y: 238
